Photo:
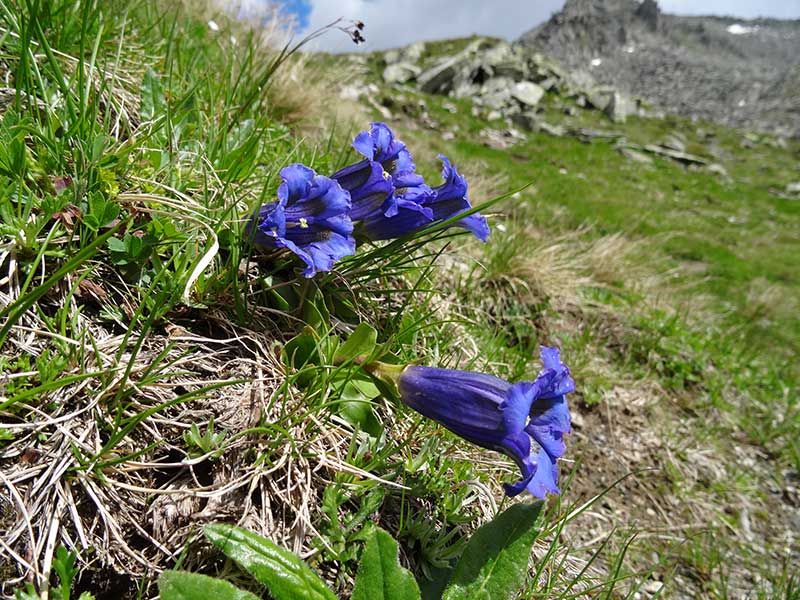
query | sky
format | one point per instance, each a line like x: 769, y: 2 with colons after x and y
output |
x: 392, y: 23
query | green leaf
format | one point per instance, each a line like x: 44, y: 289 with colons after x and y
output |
x: 433, y: 588
x: 29, y: 593
x: 286, y: 576
x: 134, y: 245
x: 153, y: 102
x: 301, y: 350
x: 181, y: 585
x: 356, y: 406
x: 13, y: 312
x: 101, y: 212
x: 99, y: 146
x: 116, y: 245
x: 495, y: 562
x: 361, y: 343
x: 380, y: 576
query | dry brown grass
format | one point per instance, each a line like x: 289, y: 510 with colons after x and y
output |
x: 131, y: 509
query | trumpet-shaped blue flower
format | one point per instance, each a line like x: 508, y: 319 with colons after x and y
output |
x: 451, y: 198
x: 381, y: 149
x: 444, y: 202
x: 498, y: 415
x: 371, y: 189
x: 309, y: 219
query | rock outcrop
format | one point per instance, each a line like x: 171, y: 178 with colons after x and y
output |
x: 506, y: 79
x: 741, y: 73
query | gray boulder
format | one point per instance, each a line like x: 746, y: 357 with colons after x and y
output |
x: 439, y: 79
x: 464, y: 89
x: 414, y: 52
x: 681, y: 157
x: 527, y: 93
x: 401, y: 72
x: 503, y: 61
x: 550, y: 129
x: 635, y: 155
x: 599, y: 97
x: 497, y: 54
x: 391, y: 56
x: 549, y: 84
x: 618, y: 108
x: 580, y: 80
x: 673, y: 142
x: 496, y: 92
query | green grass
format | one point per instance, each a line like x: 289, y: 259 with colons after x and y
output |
x: 697, y: 305
x: 154, y: 376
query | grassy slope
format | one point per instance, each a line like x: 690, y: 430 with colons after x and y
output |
x: 132, y: 371
x: 682, y: 303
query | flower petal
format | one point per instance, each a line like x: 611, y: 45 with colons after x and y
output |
x: 265, y: 224
x: 364, y: 146
x: 370, y: 190
x: 476, y: 224
x: 410, y: 217
x: 517, y: 406
x: 561, y: 382
x: 551, y: 440
x: 545, y: 478
x: 387, y: 147
x: 297, y: 178
x: 325, y: 253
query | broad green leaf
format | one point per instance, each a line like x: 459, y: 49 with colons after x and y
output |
x: 495, y: 562
x: 134, y: 245
x: 116, y: 245
x: 432, y: 589
x: 181, y: 585
x: 301, y: 350
x: 380, y: 576
x: 286, y: 576
x: 360, y: 343
x: 101, y: 212
x: 356, y: 408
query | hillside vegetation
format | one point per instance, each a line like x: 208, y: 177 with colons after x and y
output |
x: 158, y: 375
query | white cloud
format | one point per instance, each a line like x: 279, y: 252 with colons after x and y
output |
x: 392, y: 23
x: 747, y: 9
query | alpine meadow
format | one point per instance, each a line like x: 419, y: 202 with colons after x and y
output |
x: 465, y: 319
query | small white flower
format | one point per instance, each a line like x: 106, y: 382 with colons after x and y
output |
x: 212, y: 25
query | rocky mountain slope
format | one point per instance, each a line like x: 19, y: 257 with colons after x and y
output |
x: 740, y: 73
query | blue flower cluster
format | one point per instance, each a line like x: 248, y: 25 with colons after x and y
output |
x: 501, y: 416
x: 381, y: 197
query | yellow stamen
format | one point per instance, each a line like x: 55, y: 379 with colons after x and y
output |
x: 303, y: 223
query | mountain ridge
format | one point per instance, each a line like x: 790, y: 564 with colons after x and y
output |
x: 742, y: 73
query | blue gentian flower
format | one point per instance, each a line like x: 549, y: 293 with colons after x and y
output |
x: 498, y: 415
x: 310, y: 219
x: 371, y: 189
x: 444, y: 202
x: 379, y: 145
x: 451, y: 198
